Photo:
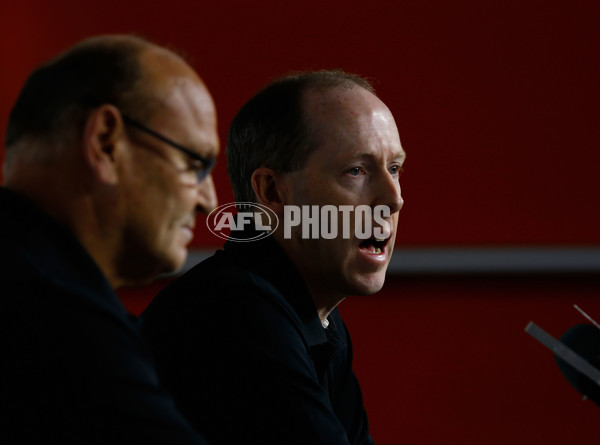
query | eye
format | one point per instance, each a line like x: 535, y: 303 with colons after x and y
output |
x: 197, y: 166
x: 396, y: 170
x: 197, y: 171
x: 201, y: 167
x: 355, y: 171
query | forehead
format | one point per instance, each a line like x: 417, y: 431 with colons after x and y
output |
x: 351, y: 122
x: 186, y: 109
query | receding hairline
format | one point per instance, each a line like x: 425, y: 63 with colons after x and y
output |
x: 273, y: 129
x: 112, y: 38
x: 105, y: 41
x: 326, y: 93
x: 135, y: 42
x: 136, y: 94
x: 159, y: 66
x: 326, y: 83
x: 148, y: 54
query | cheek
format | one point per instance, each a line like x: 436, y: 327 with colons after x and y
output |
x: 312, y: 190
x: 162, y: 218
x: 177, y: 203
x: 346, y: 252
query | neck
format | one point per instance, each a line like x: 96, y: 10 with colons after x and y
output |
x: 325, y: 302
x: 65, y: 199
x: 324, y: 295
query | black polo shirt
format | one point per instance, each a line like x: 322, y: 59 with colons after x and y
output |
x: 239, y: 343
x: 75, y: 368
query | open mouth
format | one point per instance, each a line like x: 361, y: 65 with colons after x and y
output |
x: 374, y: 246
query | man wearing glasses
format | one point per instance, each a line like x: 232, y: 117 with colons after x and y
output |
x: 109, y: 149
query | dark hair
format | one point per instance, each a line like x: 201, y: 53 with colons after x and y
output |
x: 271, y: 131
x: 98, y: 70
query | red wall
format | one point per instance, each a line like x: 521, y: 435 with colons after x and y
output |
x: 497, y: 102
x: 497, y: 106
x: 446, y: 360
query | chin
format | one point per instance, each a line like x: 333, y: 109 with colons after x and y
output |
x: 167, y: 263
x: 368, y: 285
x: 175, y: 262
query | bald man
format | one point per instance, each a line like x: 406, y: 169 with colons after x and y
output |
x: 255, y: 328
x: 109, y: 150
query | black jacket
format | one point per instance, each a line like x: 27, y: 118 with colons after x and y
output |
x: 75, y: 368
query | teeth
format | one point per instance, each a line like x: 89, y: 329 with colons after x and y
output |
x: 377, y: 250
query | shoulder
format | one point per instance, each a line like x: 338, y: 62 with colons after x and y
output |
x: 47, y: 302
x: 216, y: 303
x: 218, y: 285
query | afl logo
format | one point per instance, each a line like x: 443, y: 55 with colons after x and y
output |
x: 229, y: 221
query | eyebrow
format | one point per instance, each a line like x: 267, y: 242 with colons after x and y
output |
x: 401, y: 156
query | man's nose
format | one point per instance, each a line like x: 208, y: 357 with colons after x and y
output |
x: 390, y: 193
x: 207, y: 196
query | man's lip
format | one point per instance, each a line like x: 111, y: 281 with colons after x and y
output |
x: 384, y: 240
x: 189, y: 230
x: 383, y: 247
x: 189, y: 223
x: 376, y: 260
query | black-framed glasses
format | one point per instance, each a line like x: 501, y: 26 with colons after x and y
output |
x: 206, y: 164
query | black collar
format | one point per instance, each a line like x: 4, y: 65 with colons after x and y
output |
x: 267, y: 259
x: 52, y: 249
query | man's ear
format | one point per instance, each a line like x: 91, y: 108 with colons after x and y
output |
x: 102, y: 138
x: 269, y: 189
